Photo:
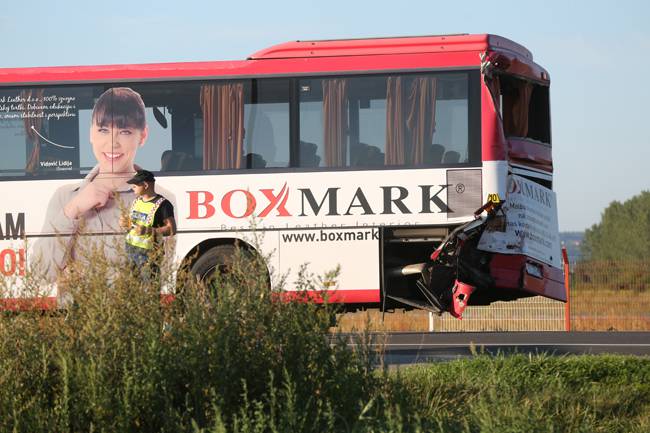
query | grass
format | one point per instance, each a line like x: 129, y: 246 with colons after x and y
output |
x: 529, y: 393
x: 226, y: 357
x: 610, y: 295
x: 374, y: 321
x: 530, y: 314
x: 609, y: 310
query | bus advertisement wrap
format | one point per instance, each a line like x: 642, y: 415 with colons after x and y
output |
x: 531, y: 224
x: 408, y: 197
x: 365, y: 157
x: 338, y: 213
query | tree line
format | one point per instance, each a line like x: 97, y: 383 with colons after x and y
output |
x: 623, y: 232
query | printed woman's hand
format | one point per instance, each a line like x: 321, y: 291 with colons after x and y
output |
x: 92, y: 196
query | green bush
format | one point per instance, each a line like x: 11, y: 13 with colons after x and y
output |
x: 222, y: 354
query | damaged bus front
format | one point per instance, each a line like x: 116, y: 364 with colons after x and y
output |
x: 510, y: 248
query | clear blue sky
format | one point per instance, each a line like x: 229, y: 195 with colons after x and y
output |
x: 597, y: 52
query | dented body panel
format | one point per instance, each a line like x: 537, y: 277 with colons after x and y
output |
x: 490, y: 258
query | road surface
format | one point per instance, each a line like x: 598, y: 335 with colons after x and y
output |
x: 415, y: 347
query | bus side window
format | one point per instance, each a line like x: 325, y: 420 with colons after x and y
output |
x: 266, y: 124
x: 392, y: 121
x: 253, y: 132
x: 41, y: 132
x: 175, y: 127
x: 525, y: 109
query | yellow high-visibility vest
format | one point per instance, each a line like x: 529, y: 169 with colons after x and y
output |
x: 142, y: 214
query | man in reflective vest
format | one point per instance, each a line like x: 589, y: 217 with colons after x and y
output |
x: 150, y: 218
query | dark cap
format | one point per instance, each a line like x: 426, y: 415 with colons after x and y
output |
x: 141, y: 176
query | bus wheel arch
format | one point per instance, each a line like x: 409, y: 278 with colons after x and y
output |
x: 218, y: 254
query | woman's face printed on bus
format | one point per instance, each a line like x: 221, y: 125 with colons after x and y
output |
x: 115, y: 148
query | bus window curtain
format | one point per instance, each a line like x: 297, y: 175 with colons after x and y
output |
x: 32, y: 126
x: 493, y: 84
x: 515, y: 109
x: 410, y: 118
x: 421, y: 121
x: 395, y: 127
x: 335, y: 121
x: 223, y: 125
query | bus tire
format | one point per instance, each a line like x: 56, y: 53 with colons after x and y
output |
x: 221, y: 258
x: 218, y: 258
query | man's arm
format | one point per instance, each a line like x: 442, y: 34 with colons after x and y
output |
x: 168, y: 228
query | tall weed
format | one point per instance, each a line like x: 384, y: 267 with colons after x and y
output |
x: 226, y: 353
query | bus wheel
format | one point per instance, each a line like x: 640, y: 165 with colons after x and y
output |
x: 221, y: 260
x: 216, y: 260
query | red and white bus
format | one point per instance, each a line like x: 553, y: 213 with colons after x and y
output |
x: 363, y: 153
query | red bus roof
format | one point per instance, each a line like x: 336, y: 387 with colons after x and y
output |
x: 298, y: 58
x: 396, y: 45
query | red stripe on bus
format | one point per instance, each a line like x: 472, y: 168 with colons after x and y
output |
x: 256, y: 68
x: 339, y: 296
x: 28, y: 304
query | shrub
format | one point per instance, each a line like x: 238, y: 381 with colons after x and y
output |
x: 226, y: 353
